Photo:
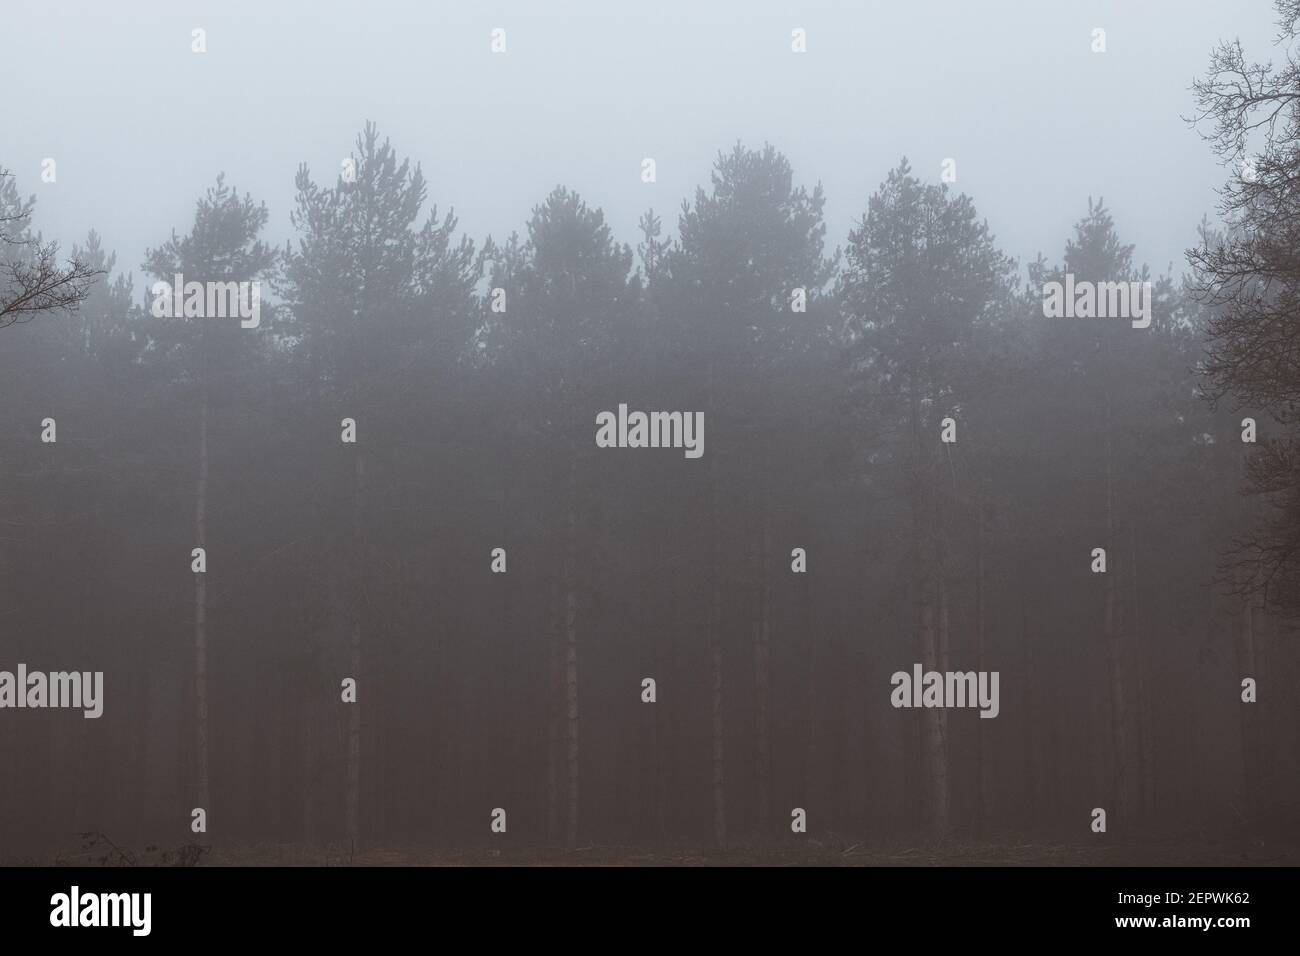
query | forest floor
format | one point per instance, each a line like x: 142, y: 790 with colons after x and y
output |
x: 98, y: 850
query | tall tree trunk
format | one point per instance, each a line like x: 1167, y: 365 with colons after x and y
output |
x: 1145, y: 750
x: 257, y: 812
x: 274, y: 822
x: 715, y: 643
x: 309, y: 763
x: 353, y: 809
x: 1115, y: 655
x: 554, y: 707
x: 981, y: 665
x: 932, y: 737
x: 838, y: 807
x: 811, y: 690
x: 289, y: 725
x: 95, y: 772
x: 925, y: 528
x: 571, y: 650
x: 716, y: 728
x: 676, y: 719
x: 1148, y: 752
x: 942, y: 822
x: 762, y: 636
x: 1266, y: 633
x: 378, y: 750
x: 140, y: 789
x: 201, y: 618
x: 663, y: 657
x: 1248, y: 666
x: 1029, y: 797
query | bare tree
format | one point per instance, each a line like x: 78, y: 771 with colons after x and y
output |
x: 1248, y: 278
x: 31, y: 279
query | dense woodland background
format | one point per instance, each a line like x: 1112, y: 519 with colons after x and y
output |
x: 475, y: 430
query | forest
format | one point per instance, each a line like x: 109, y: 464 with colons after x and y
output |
x: 388, y: 571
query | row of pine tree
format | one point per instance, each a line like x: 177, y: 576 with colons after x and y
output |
x: 473, y: 372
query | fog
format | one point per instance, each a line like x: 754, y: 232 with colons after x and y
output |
x: 922, y: 474
x: 1037, y: 123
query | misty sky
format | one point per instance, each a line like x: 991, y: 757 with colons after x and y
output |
x: 140, y: 126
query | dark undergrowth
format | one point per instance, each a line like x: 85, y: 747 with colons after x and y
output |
x: 97, y: 849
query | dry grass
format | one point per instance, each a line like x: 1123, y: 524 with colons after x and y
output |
x: 99, y: 850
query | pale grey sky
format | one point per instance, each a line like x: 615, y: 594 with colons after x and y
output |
x: 140, y: 126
